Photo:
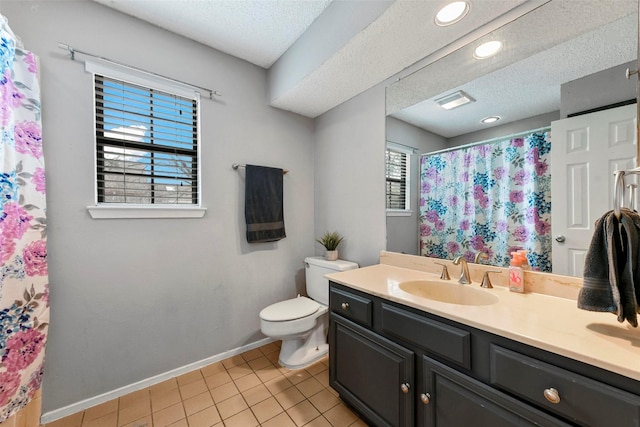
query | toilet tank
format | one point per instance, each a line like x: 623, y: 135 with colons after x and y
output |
x: 317, y: 284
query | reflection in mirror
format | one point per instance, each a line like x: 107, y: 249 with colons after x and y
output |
x: 560, y: 60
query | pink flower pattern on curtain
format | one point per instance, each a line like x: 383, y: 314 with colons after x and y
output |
x: 24, y: 283
x: 493, y: 198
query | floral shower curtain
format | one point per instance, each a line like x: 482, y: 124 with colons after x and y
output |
x: 493, y: 198
x: 24, y: 295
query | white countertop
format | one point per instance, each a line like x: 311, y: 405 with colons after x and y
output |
x: 547, y: 322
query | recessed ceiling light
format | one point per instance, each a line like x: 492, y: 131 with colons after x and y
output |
x: 485, y: 50
x: 490, y: 119
x: 452, y: 13
x: 454, y: 100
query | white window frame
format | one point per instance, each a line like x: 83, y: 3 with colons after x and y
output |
x: 152, y: 81
x: 409, y: 152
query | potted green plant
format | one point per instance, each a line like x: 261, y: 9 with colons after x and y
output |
x: 330, y: 241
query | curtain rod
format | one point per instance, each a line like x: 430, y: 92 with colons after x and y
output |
x: 486, y: 141
x: 73, y: 52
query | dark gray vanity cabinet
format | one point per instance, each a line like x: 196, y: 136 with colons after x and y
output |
x: 456, y: 400
x: 373, y: 374
x: 399, y: 366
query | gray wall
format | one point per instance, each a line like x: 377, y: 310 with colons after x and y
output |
x: 597, y: 90
x: 131, y: 299
x: 349, y: 176
x: 402, y: 231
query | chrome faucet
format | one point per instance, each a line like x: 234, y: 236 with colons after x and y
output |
x: 465, y: 278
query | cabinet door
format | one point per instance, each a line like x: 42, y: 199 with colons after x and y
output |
x: 451, y: 399
x: 371, y: 373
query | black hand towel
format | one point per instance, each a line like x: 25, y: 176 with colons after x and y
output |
x: 599, y: 280
x: 263, y: 207
x: 630, y: 277
x: 612, y: 267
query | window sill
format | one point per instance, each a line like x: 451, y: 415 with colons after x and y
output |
x: 391, y: 212
x: 140, y: 212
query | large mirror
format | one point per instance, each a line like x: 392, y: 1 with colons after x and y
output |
x: 562, y: 59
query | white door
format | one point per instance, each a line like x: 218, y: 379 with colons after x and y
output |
x: 585, y: 152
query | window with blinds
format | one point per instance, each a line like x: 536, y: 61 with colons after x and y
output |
x: 397, y: 179
x: 146, y: 145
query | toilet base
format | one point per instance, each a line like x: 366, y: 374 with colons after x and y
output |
x: 304, y: 357
x: 298, y: 353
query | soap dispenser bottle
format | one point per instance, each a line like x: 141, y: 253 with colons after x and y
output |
x: 525, y: 261
x: 516, y: 275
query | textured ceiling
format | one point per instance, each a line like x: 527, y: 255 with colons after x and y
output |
x: 404, y: 34
x: 257, y: 31
x: 552, y: 45
x: 260, y: 31
x: 400, y: 37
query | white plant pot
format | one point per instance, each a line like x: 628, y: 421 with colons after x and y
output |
x: 331, y: 255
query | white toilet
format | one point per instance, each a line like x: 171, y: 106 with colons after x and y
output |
x: 302, y: 323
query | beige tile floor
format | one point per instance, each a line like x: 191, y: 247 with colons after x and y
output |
x: 247, y: 390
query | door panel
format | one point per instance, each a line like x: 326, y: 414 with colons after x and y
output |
x: 586, y: 150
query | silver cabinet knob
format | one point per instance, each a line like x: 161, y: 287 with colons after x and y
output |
x: 560, y: 238
x: 345, y: 305
x: 552, y: 395
x: 405, y: 388
x: 425, y: 398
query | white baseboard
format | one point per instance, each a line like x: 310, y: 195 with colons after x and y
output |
x: 122, y: 391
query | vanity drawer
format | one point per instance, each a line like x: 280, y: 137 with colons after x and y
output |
x: 351, y: 306
x: 438, y: 338
x: 581, y: 400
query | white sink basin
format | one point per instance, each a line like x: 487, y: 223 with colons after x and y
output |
x: 452, y: 293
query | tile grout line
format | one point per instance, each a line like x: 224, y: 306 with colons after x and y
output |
x: 250, y: 407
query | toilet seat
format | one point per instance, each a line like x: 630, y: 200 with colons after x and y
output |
x: 303, y: 323
x: 291, y: 309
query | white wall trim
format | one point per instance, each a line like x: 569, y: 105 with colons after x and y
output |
x: 133, y: 75
x: 122, y: 391
x: 406, y: 149
x: 399, y: 212
x: 133, y: 212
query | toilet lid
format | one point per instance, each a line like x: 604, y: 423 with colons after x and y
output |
x: 290, y: 309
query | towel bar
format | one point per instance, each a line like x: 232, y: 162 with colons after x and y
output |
x: 632, y: 195
x: 235, y: 166
x: 618, y: 189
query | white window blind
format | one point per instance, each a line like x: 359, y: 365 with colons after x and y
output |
x: 397, y: 176
x: 146, y: 145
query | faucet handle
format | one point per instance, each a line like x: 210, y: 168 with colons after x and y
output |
x: 445, y: 273
x: 486, y: 281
